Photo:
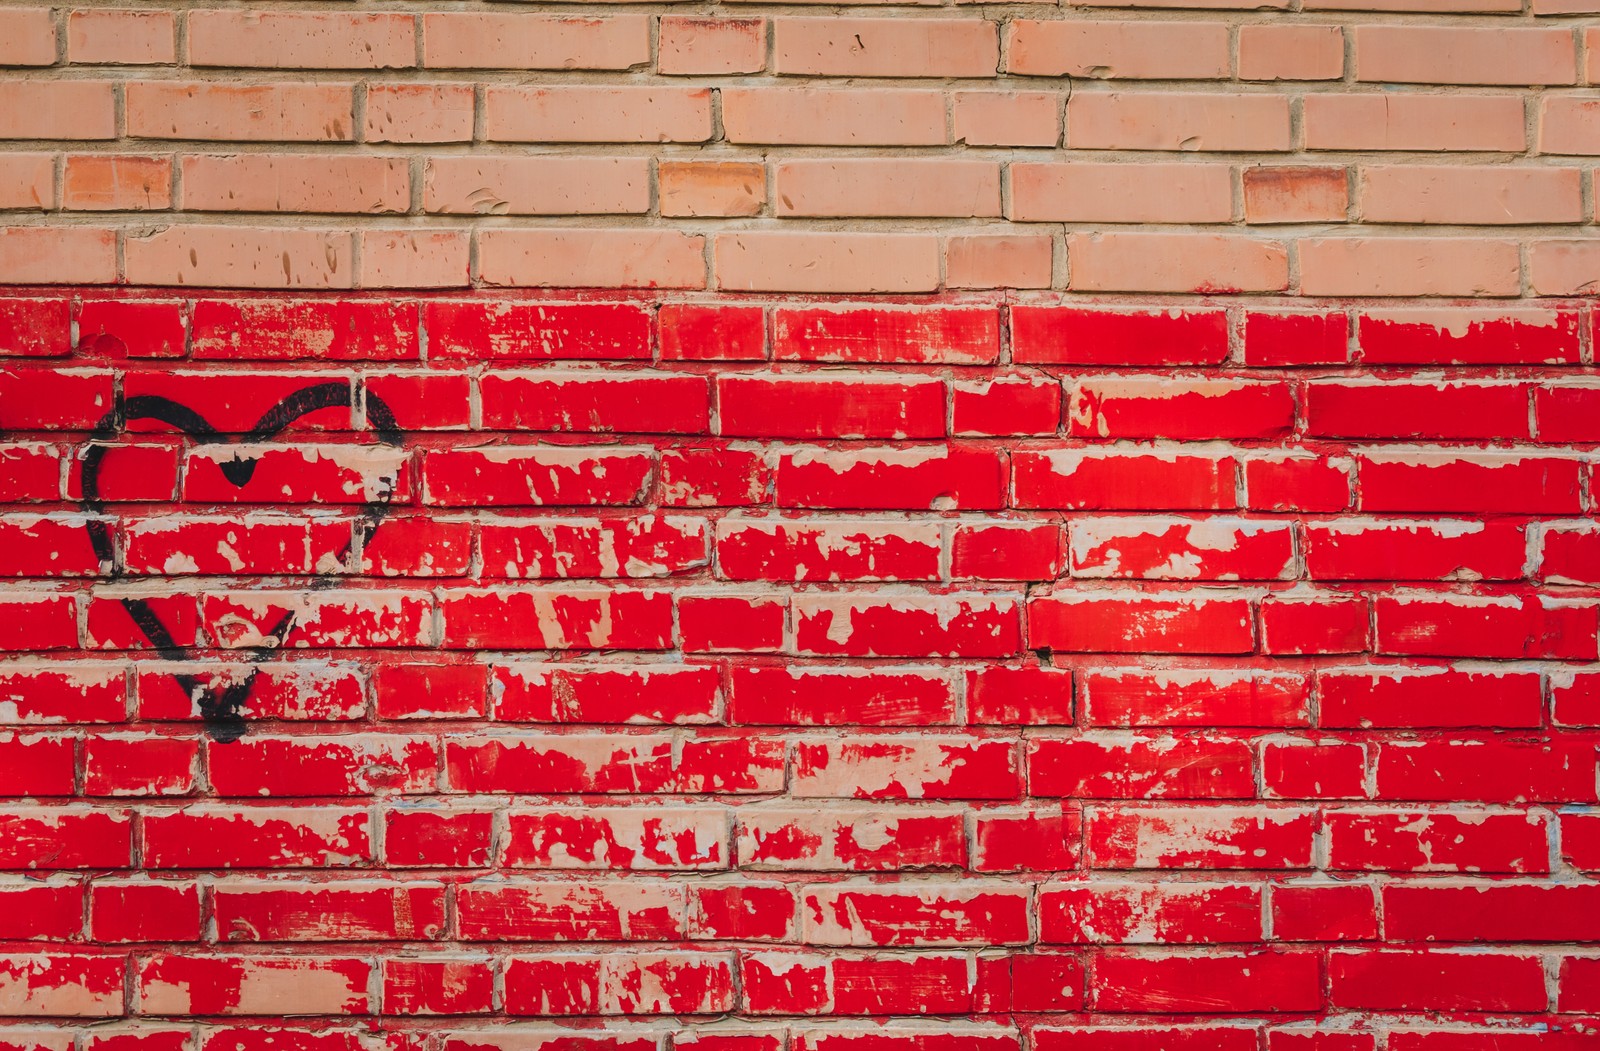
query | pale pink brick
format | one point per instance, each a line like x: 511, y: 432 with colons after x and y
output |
x: 474, y: 40
x: 1409, y: 266
x: 834, y: 116
x: 887, y: 187
x: 239, y: 257
x: 1161, y: 121
x: 602, y: 258
x: 1564, y: 268
x: 27, y: 180
x: 885, y: 47
x: 1398, y: 54
x: 50, y: 255
x: 418, y: 113
x: 548, y: 185
x: 1175, y: 262
x: 279, y: 182
x: 724, y: 188
x: 27, y: 36
x: 1006, y: 118
x: 586, y: 113
x: 1569, y: 125
x: 302, y: 39
x: 277, y: 112
x: 1403, y: 121
x: 998, y: 261
x: 1469, y: 195
x: 795, y: 261
x: 1148, y: 192
x: 1421, y: 6
x: 413, y: 258
x: 689, y: 45
x: 1291, y: 52
x: 122, y: 37
x: 1120, y: 50
x: 57, y: 109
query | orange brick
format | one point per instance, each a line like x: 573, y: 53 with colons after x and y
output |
x: 1007, y: 118
x: 1569, y: 125
x: 1409, y: 266
x: 599, y: 258
x: 1564, y: 268
x: 536, y: 185
x: 1175, y: 262
x: 52, y: 255
x: 803, y: 261
x: 1123, y: 50
x: 288, y: 182
x: 418, y: 113
x: 1399, y: 121
x: 727, y: 188
x: 998, y: 261
x: 834, y: 116
x: 302, y: 39
x: 279, y: 112
x: 690, y: 45
x: 27, y: 36
x: 27, y: 180
x: 57, y: 109
x: 885, y: 47
x: 102, y: 182
x: 239, y: 257
x: 1086, y: 191
x: 1162, y: 121
x: 1481, y: 195
x: 1295, y: 194
x: 889, y: 186
x: 1396, y: 54
x: 597, y: 114
x: 471, y: 40
x: 1291, y: 52
x: 122, y: 37
x: 413, y: 258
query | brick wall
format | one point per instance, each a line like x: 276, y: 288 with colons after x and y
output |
x: 979, y: 528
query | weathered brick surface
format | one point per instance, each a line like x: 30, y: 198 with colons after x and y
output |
x: 668, y: 671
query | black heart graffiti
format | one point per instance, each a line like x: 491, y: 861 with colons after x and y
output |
x: 222, y: 708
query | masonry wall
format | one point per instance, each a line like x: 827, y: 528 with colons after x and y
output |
x: 745, y: 527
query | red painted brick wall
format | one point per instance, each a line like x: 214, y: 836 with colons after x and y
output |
x: 618, y: 672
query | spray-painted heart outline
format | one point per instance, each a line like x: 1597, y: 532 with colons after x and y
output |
x: 222, y: 710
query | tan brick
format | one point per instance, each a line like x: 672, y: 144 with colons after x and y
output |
x: 52, y: 255
x: 57, y: 109
x: 1396, y: 54
x: 1564, y: 268
x: 834, y: 116
x: 27, y: 180
x: 885, y: 47
x: 1409, y: 266
x: 804, y: 261
x: 890, y: 186
x: 1398, y: 121
x: 418, y: 113
x: 1481, y: 195
x: 1569, y: 125
x: 536, y: 185
x: 711, y: 188
x: 1291, y: 52
x: 413, y: 258
x: 998, y: 261
x: 302, y: 39
x: 287, y: 182
x: 27, y: 36
x: 122, y: 37
x: 689, y: 45
x: 1143, y: 192
x: 474, y: 40
x: 1006, y: 118
x: 239, y: 257
x: 1295, y: 194
x: 1163, y: 121
x: 1121, y: 50
x: 1175, y: 262
x: 592, y: 257
x: 278, y: 112
x: 110, y: 183
x: 597, y: 114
